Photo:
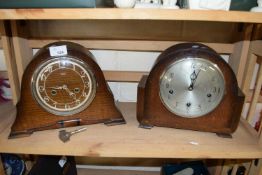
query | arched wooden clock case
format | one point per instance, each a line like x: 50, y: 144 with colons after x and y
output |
x: 151, y: 111
x: 99, y: 108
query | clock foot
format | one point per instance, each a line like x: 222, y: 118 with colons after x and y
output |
x: 14, y: 135
x: 144, y: 126
x: 117, y: 121
x: 228, y: 136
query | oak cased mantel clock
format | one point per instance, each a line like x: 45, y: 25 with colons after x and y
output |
x: 63, y: 86
x: 190, y: 87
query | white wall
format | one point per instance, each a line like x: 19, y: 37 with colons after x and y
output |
x: 2, y: 61
x: 129, y: 61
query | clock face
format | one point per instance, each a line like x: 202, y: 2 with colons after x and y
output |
x: 192, y: 87
x: 63, y: 86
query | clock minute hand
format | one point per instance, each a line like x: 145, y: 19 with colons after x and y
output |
x: 193, y: 78
x: 56, y: 87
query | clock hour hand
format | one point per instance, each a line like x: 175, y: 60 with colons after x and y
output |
x: 193, y: 78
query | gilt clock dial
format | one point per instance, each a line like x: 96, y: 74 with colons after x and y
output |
x: 192, y: 87
x: 63, y: 86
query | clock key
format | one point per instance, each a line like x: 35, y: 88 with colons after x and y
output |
x: 64, y: 135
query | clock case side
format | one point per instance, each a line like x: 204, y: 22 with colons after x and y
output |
x: 223, y: 119
x: 31, y: 117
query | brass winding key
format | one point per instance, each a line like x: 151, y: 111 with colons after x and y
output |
x: 65, y: 135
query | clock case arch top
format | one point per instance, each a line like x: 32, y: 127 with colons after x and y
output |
x: 32, y: 117
x: 151, y: 111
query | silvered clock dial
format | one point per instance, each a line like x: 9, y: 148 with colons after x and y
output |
x: 63, y: 86
x: 192, y: 87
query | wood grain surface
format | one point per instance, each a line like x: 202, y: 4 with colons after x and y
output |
x: 31, y: 117
x: 86, y: 171
x: 133, y: 14
x: 151, y: 111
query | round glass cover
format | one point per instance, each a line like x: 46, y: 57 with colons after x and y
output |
x: 63, y: 86
x: 192, y: 87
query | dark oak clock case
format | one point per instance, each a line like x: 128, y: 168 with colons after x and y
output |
x: 151, y: 112
x: 32, y: 117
